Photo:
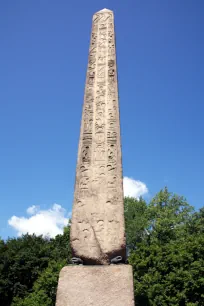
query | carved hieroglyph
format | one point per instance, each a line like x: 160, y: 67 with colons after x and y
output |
x: 97, y: 228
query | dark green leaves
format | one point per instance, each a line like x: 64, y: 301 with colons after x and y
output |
x: 29, y: 269
x: 166, y: 250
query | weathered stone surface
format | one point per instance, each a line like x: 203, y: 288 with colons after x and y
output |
x: 96, y: 286
x: 97, y: 229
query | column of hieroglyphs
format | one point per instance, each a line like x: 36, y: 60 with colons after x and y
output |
x: 97, y: 229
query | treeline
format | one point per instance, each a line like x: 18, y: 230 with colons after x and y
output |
x: 165, y: 245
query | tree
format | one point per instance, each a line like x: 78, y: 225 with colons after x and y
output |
x: 44, y: 289
x: 23, y: 262
x: 33, y: 299
x: 136, y: 221
x: 166, y: 271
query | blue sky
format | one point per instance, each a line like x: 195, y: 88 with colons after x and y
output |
x: 43, y: 59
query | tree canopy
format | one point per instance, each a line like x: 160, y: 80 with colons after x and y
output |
x: 168, y: 253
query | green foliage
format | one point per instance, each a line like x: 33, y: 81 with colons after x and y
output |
x: 60, y: 246
x: 44, y: 289
x: 168, y: 261
x: 136, y: 221
x: 33, y: 299
x: 21, y: 262
x: 49, y: 279
x: 28, y: 261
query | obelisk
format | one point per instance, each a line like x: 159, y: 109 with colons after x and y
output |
x: 97, y: 229
x: 97, y: 226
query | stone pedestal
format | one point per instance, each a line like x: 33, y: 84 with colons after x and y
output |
x: 96, y: 286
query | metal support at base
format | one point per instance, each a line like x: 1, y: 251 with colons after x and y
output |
x: 116, y: 260
x: 76, y: 261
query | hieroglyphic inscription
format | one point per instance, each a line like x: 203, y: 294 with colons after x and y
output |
x: 97, y: 231
x: 84, y: 172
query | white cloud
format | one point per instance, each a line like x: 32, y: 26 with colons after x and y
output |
x: 41, y: 222
x: 133, y: 188
x: 32, y: 210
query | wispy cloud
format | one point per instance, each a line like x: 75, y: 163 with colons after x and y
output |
x: 41, y: 222
x: 32, y: 210
x: 134, y: 188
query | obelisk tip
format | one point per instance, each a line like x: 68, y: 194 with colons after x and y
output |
x: 104, y: 11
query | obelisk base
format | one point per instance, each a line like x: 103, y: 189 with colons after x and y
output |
x: 96, y: 286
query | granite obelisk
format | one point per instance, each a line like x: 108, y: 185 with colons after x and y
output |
x: 97, y: 227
